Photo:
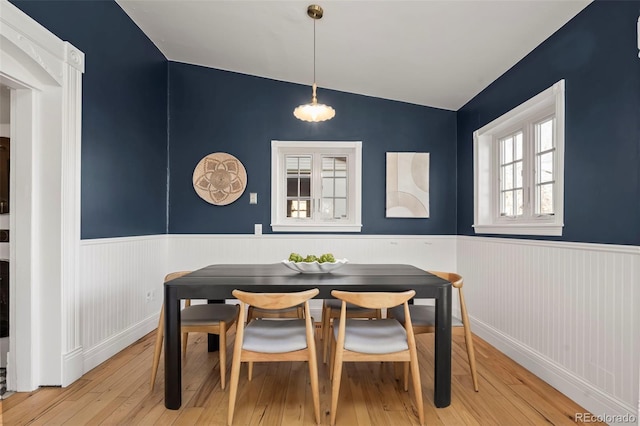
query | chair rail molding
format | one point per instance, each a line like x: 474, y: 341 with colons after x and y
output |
x: 45, y: 75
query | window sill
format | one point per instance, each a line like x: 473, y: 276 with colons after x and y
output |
x: 316, y: 228
x: 520, y: 229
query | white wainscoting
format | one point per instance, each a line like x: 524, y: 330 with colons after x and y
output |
x: 568, y: 312
x: 565, y: 311
x: 115, y: 276
x: 117, y: 273
x: 424, y: 251
x: 197, y: 251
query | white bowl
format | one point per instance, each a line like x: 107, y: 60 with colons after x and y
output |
x: 314, y: 267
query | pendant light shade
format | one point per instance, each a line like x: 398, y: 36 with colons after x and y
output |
x: 314, y: 111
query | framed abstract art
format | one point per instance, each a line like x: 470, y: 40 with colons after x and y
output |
x: 407, y: 184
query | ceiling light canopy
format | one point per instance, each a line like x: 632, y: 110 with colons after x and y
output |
x: 314, y: 111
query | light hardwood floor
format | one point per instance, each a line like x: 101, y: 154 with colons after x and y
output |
x: 117, y: 393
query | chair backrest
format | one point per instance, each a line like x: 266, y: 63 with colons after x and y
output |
x: 374, y: 300
x: 274, y: 300
x: 173, y: 275
x: 452, y: 277
x: 457, y: 282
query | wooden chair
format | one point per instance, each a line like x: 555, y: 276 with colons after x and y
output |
x: 257, y: 313
x: 214, y: 318
x: 423, y: 319
x: 274, y: 339
x: 374, y: 340
x: 331, y: 311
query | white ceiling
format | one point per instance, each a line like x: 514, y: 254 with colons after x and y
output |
x: 434, y: 53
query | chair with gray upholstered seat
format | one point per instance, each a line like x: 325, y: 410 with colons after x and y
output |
x: 374, y: 340
x: 423, y: 319
x: 281, y: 339
x: 257, y: 313
x: 215, y: 318
x: 331, y: 310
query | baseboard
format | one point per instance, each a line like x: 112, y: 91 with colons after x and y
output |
x: 72, y: 366
x: 583, y: 393
x: 116, y: 343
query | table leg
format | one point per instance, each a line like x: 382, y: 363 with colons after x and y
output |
x: 172, y: 361
x: 442, y: 373
x: 213, y: 340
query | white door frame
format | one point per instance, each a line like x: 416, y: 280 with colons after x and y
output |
x: 45, y: 75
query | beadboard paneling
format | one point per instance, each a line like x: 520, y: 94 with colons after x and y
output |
x: 115, y: 276
x: 567, y: 311
x: 428, y: 252
x: 117, y: 273
x: 196, y: 251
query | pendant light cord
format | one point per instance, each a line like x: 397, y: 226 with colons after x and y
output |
x: 313, y: 111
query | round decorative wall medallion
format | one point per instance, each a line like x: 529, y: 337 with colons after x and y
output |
x: 219, y: 178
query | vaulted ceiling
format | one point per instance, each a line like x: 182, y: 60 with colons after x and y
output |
x: 433, y: 53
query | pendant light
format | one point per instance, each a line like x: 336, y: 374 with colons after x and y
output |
x: 314, y: 111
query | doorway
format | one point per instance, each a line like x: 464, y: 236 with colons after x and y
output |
x: 45, y: 77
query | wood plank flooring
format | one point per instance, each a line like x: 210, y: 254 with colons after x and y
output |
x: 117, y: 393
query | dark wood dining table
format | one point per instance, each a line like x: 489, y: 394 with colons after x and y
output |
x: 216, y: 282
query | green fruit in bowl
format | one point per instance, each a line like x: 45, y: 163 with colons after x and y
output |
x: 295, y: 257
x: 327, y: 257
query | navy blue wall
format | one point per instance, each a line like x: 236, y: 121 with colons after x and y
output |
x: 124, y: 135
x: 597, y: 55
x: 218, y: 111
x: 124, y: 116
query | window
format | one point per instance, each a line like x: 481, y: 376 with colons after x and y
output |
x: 518, y: 168
x: 316, y: 186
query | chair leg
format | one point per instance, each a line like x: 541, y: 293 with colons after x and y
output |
x: 335, y: 386
x: 158, y: 348
x: 326, y: 330
x: 322, y: 322
x: 417, y: 386
x: 315, y: 391
x: 468, y: 339
x: 332, y: 357
x: 222, y: 352
x: 472, y: 358
x: 250, y: 371
x: 405, y: 375
x: 235, y: 376
x: 185, y: 339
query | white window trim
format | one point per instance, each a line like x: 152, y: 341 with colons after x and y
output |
x: 278, y: 222
x: 486, y: 219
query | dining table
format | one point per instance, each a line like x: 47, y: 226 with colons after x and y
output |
x: 216, y: 282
